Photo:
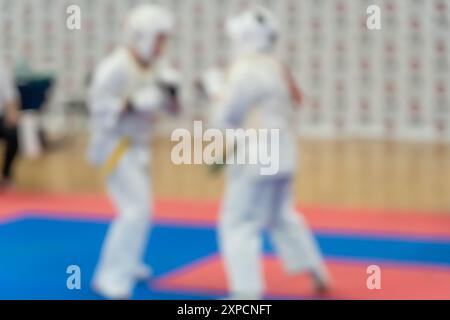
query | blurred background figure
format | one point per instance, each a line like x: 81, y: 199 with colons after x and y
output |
x: 9, y: 120
x: 34, y: 91
x: 128, y: 89
x: 259, y: 94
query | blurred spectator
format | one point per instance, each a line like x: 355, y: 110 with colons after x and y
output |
x: 9, y: 118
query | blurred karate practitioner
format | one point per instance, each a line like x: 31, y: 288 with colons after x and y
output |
x: 9, y: 118
x: 257, y: 91
x: 129, y: 89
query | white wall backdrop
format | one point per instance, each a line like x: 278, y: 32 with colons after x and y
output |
x: 392, y: 83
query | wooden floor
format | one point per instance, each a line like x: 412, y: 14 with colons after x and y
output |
x: 331, y: 173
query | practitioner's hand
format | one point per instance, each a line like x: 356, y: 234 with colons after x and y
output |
x: 171, y: 93
x: 216, y: 168
x: 169, y: 82
x: 147, y: 99
x: 211, y: 83
x: 221, y: 162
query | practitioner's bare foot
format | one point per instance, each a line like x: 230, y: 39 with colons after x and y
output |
x: 110, y: 292
x: 143, y: 272
x: 322, y: 282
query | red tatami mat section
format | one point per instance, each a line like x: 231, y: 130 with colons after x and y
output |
x: 14, y: 205
x: 398, y: 282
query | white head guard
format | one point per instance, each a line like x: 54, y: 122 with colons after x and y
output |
x: 252, y: 31
x: 142, y: 27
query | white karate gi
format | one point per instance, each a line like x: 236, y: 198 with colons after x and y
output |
x: 256, y: 95
x: 119, y: 142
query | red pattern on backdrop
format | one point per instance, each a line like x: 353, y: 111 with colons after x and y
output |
x: 324, y: 42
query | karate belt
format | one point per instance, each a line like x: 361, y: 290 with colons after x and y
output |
x: 115, y: 157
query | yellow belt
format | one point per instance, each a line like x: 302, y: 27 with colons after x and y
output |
x: 115, y: 157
